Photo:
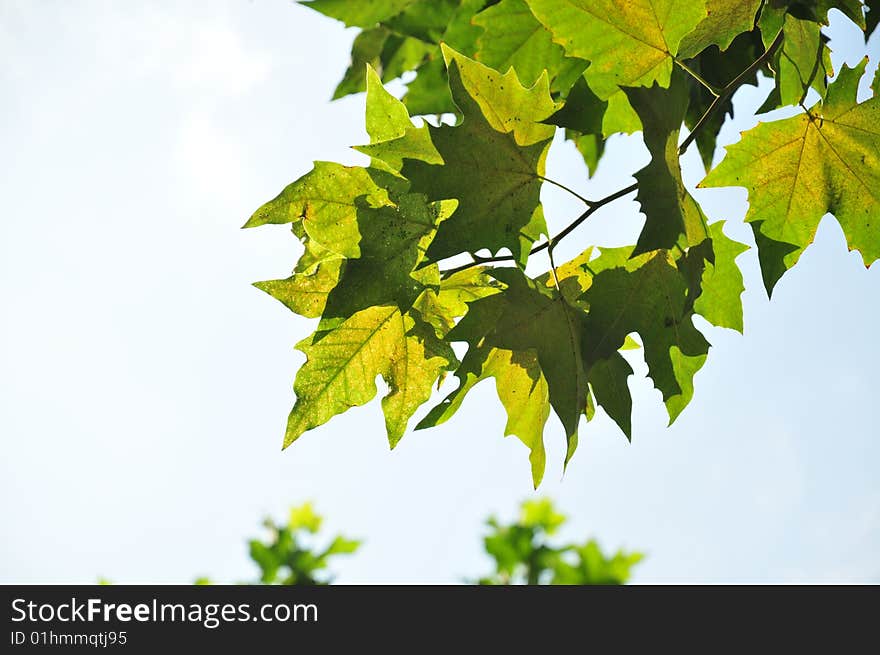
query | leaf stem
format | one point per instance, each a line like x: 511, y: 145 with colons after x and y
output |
x: 565, y: 188
x: 699, y: 78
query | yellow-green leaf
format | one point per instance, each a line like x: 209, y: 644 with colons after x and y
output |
x: 629, y: 43
x: 507, y: 105
x: 496, y: 181
x: 513, y: 38
x: 341, y: 369
x: 725, y: 20
x: 798, y: 169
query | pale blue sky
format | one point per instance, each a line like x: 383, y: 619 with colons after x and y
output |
x: 144, y: 384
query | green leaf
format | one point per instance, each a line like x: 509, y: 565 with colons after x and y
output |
x: 424, y: 19
x: 798, y: 169
x: 608, y: 380
x: 648, y: 295
x: 583, y: 110
x: 394, y: 243
x: 393, y: 136
x: 442, y: 306
x: 341, y: 368
x: 305, y: 293
x: 803, y: 60
x: 527, y: 316
x: 403, y: 54
x: 523, y: 392
x: 673, y: 217
x: 631, y: 44
x: 387, y: 117
x: 428, y: 92
x: 607, y: 377
x: 722, y: 282
x: 388, y: 53
x: 620, y: 116
x: 326, y: 201
x: 462, y: 31
x: 592, y: 567
x: 726, y: 19
x: 872, y: 18
x: 366, y: 50
x: 265, y: 559
x: 591, y: 147
x: 507, y: 106
x: 513, y: 38
x: 363, y: 13
x: 314, y: 254
x: 496, y: 180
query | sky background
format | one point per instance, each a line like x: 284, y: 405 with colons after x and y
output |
x: 144, y: 384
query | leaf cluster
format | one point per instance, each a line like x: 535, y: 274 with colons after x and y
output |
x: 428, y: 245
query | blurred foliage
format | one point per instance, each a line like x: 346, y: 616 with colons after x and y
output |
x: 523, y: 555
x: 290, y: 557
x: 289, y: 554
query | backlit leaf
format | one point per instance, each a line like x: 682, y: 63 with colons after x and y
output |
x: 628, y: 44
x: 800, y: 168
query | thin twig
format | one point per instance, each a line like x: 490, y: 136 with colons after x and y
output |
x: 596, y: 206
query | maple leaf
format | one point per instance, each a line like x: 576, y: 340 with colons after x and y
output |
x: 721, y: 283
x: 342, y: 365
x: 326, y: 202
x: 798, y: 169
x: 394, y: 243
x: 631, y: 44
x: 649, y: 295
x: 363, y: 13
x: 724, y: 21
x: 305, y: 293
x: 673, y: 217
x: 513, y: 38
x: 529, y: 317
x: 582, y: 117
x: 873, y: 17
x: 522, y: 390
x: 803, y: 61
x: 366, y: 49
x: 507, y: 105
x: 393, y: 136
x: 441, y: 306
x: 496, y: 180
